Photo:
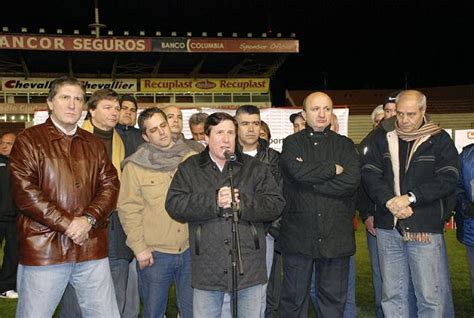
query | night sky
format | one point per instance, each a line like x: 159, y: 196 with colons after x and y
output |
x: 344, y: 44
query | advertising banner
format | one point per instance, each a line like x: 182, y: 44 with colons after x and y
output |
x: 42, y: 85
x: 74, y: 43
x: 205, y: 85
x: 146, y: 44
x: 243, y: 45
x: 276, y: 118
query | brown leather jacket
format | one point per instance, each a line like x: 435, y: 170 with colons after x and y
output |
x: 54, y: 178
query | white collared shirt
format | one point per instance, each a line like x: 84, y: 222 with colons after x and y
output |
x: 67, y: 133
x: 217, y: 164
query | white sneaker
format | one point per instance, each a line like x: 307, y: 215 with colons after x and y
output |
x: 9, y: 294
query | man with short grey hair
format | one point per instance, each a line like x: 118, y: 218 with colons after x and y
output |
x: 196, y: 125
x: 409, y: 173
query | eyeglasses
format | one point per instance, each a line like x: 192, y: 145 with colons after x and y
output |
x: 9, y: 143
x: 68, y: 98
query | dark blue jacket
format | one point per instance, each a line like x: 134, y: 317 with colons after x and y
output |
x: 464, y: 197
x: 131, y: 137
x: 431, y: 176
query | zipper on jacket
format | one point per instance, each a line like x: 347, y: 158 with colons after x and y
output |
x: 442, y: 208
x: 255, y: 236
x: 197, y: 239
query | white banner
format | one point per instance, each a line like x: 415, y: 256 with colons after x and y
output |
x: 42, y: 85
x: 278, y: 119
x: 463, y: 138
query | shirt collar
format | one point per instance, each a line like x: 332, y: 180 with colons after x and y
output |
x: 217, y: 164
x: 60, y: 128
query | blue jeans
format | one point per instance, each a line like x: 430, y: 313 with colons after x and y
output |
x: 427, y: 264
x: 40, y: 288
x: 470, y: 259
x: 119, y: 272
x: 377, y: 280
x: 226, y: 310
x: 132, y: 298
x: 208, y: 303
x: 155, y: 281
x: 350, y: 309
x: 376, y: 275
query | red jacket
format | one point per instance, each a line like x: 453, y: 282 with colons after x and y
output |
x: 54, y: 178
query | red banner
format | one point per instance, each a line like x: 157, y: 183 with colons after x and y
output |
x: 69, y: 43
x: 143, y: 44
x: 243, y: 45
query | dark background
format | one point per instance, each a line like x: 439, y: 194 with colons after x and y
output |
x: 343, y: 44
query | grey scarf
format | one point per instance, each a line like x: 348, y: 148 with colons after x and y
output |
x: 152, y: 157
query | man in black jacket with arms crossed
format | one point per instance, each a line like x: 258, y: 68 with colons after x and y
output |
x: 320, y: 177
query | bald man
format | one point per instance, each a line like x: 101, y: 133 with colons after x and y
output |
x: 6, y: 143
x: 174, y: 115
x: 321, y: 174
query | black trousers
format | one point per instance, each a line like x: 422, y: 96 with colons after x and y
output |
x: 331, y: 284
x: 10, y: 256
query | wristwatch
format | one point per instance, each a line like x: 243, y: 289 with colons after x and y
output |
x: 91, y: 220
x: 411, y: 197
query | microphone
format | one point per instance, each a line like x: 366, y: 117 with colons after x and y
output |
x: 229, y: 155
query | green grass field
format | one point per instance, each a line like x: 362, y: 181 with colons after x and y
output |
x: 364, y: 292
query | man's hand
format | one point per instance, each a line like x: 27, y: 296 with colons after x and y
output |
x: 369, y: 225
x: 224, y: 197
x: 404, y: 214
x: 398, y: 203
x: 339, y: 169
x: 145, y: 258
x: 78, y: 230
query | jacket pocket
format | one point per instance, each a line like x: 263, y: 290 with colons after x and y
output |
x: 153, y: 189
x: 38, y: 227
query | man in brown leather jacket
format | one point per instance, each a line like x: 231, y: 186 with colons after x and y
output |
x: 65, y: 187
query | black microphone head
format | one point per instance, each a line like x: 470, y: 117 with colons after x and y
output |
x: 229, y: 155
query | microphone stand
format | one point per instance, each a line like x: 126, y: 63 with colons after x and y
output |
x: 236, y: 252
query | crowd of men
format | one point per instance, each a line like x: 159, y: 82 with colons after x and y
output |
x: 103, y: 217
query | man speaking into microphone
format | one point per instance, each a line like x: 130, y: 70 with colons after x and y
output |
x: 200, y: 194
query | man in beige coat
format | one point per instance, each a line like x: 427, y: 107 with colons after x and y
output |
x: 160, y: 244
